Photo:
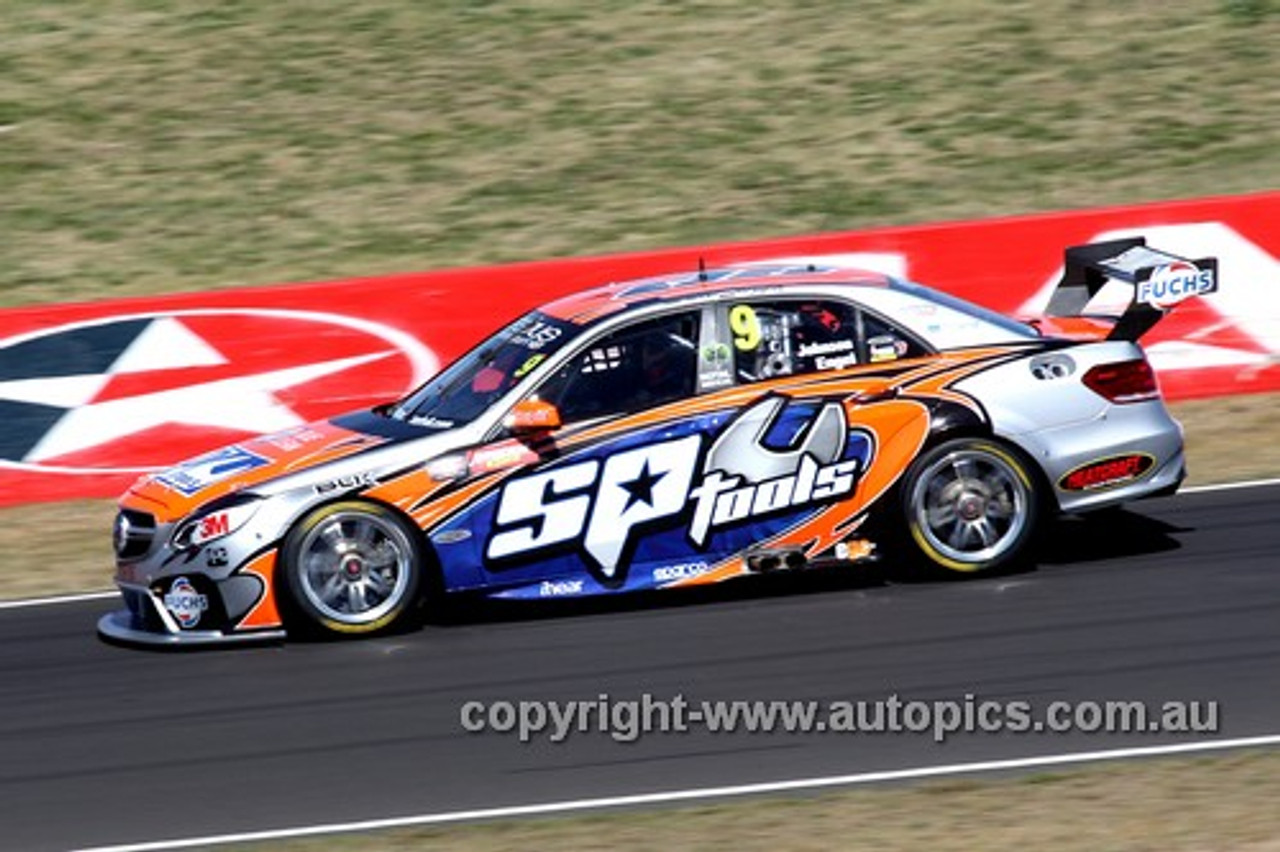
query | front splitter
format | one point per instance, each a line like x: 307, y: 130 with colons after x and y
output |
x: 122, y: 628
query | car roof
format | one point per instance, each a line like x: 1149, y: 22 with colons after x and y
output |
x: 589, y: 305
x: 945, y: 321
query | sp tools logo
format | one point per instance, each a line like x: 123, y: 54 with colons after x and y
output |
x: 766, y: 463
x: 131, y: 393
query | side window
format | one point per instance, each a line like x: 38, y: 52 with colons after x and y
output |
x: 782, y: 338
x: 885, y: 342
x: 651, y: 363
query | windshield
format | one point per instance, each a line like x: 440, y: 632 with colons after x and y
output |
x: 475, y: 381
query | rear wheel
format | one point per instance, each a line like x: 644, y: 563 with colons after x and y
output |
x: 970, y: 506
x: 352, y: 568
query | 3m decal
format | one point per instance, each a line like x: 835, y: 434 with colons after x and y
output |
x: 213, y: 526
x: 600, y: 507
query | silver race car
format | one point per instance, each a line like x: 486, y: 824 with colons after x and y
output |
x: 672, y: 432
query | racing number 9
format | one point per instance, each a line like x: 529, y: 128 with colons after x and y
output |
x: 745, y: 326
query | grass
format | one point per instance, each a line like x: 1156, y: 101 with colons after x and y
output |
x: 152, y: 146
x: 1221, y: 803
x: 160, y: 145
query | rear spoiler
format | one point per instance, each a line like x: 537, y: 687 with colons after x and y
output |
x: 1159, y: 280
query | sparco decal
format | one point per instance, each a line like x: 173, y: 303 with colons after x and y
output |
x: 601, y: 506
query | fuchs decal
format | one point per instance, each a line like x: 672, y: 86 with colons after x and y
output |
x: 1175, y: 282
x: 767, y: 462
x: 185, y: 603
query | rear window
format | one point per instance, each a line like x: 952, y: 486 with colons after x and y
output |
x: 959, y: 305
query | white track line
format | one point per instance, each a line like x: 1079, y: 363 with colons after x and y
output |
x: 674, y: 796
x: 95, y: 596
x: 1229, y: 486
x: 87, y: 596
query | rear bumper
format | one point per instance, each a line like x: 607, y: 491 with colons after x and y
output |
x: 1142, y: 429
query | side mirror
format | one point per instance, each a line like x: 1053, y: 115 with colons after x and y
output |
x: 531, y: 416
x: 878, y: 390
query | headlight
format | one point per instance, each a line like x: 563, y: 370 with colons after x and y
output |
x: 132, y: 533
x: 220, y: 518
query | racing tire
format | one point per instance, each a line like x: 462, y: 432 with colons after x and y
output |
x: 351, y: 568
x: 971, y: 506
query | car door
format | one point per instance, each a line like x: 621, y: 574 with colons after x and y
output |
x: 822, y: 438
x: 572, y: 513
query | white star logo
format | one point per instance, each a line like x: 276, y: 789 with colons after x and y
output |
x: 245, y: 403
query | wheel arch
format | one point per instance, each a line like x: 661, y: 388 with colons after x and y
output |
x: 906, y: 530
x: 951, y: 420
x: 430, y: 584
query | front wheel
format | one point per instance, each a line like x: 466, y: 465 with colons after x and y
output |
x: 352, y: 568
x: 970, y: 506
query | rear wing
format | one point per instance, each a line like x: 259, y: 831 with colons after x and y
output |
x: 1158, y: 280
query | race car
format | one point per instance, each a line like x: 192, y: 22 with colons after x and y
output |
x: 672, y: 432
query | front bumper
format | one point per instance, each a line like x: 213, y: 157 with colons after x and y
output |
x: 146, y: 623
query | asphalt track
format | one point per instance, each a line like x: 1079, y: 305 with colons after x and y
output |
x: 1177, y: 599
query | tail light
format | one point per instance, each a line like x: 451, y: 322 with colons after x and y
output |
x: 1123, y: 381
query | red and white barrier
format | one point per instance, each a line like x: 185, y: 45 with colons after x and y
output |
x: 93, y: 394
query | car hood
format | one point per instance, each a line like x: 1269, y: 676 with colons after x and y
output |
x: 300, y: 456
